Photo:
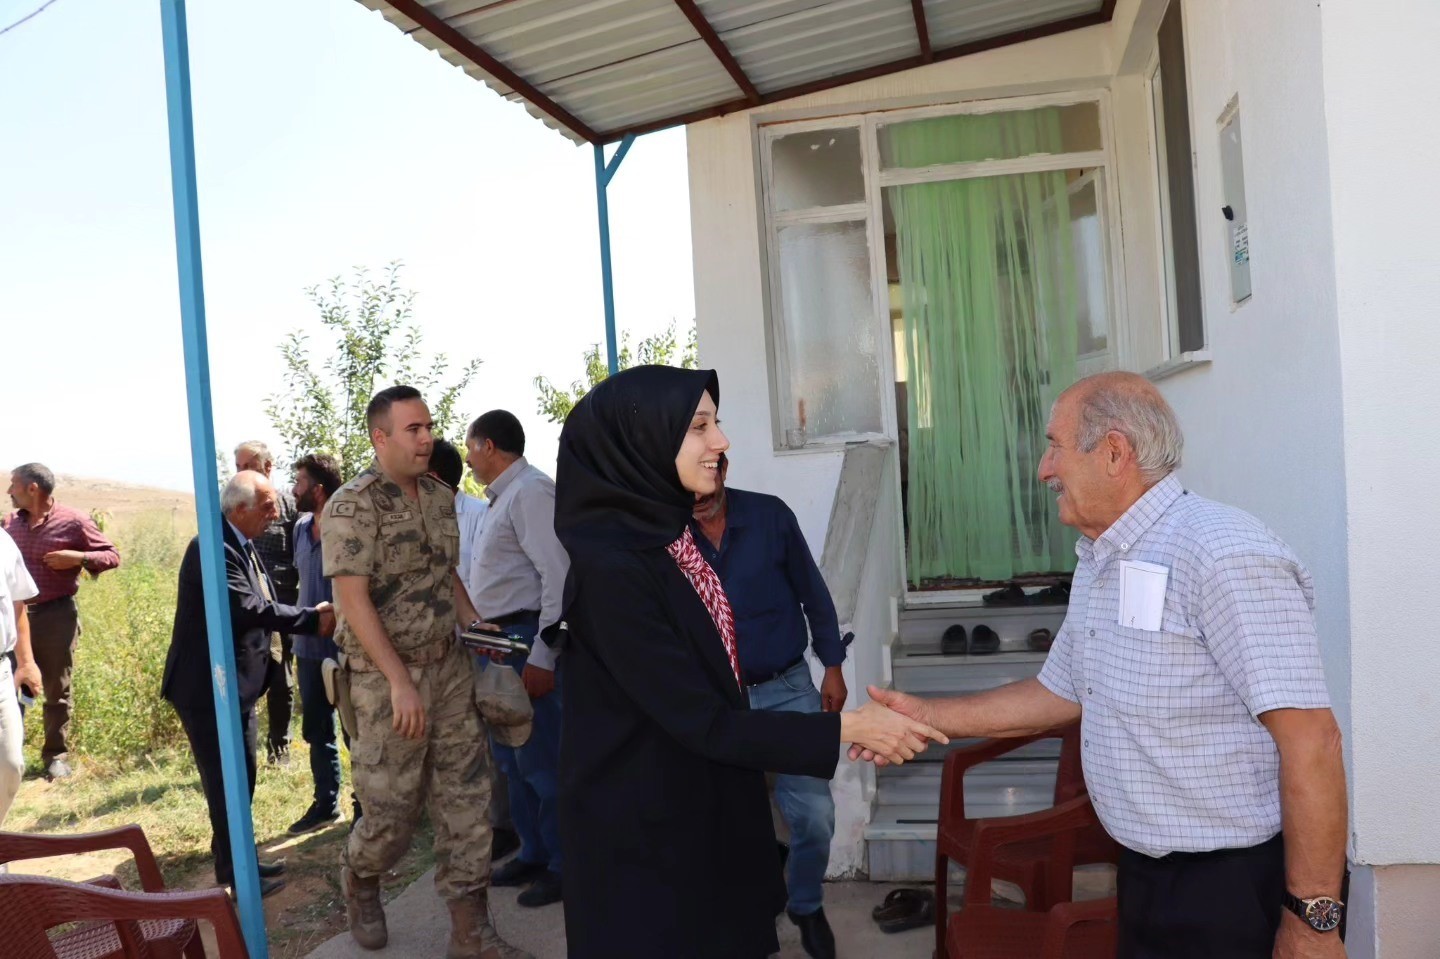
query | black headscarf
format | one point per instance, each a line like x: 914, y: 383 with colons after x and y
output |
x: 616, y: 486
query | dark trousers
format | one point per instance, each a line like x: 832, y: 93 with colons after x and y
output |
x: 54, y: 629
x: 204, y: 737
x: 532, y: 771
x: 317, y: 728
x: 280, y: 699
x: 1224, y: 904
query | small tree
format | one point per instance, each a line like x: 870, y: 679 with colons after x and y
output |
x: 661, y: 349
x: 377, y: 344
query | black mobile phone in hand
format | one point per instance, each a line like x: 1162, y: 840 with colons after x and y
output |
x: 27, y: 696
x: 493, y: 641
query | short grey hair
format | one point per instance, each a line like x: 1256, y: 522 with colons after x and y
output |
x: 258, y: 448
x: 241, y: 492
x: 1137, y: 412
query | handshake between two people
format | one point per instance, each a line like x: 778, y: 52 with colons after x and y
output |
x: 881, y: 731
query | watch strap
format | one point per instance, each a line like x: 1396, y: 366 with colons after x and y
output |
x: 1301, y: 907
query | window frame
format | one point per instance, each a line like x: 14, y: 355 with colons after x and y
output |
x: 871, y: 211
x: 1174, y: 357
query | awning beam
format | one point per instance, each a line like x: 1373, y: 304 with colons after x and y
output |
x: 717, y: 47
x: 922, y: 30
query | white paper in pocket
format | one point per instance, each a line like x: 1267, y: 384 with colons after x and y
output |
x: 1142, y: 594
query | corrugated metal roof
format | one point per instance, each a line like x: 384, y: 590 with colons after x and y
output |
x: 956, y: 22
x: 597, y: 69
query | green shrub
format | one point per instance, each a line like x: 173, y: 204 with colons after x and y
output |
x: 126, y: 616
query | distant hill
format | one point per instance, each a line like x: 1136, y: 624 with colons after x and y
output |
x: 122, y: 501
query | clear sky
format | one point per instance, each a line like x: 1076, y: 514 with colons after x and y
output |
x: 326, y: 139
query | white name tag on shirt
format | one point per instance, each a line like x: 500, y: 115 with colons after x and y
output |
x: 1142, y: 594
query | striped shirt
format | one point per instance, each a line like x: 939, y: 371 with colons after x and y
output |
x: 1175, y: 757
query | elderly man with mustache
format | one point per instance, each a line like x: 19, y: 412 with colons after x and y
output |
x: 1190, y: 656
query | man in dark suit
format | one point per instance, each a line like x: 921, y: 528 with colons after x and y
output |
x: 249, y: 506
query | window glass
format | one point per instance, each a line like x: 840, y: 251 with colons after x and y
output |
x: 818, y: 168
x: 830, y: 342
x: 1005, y: 135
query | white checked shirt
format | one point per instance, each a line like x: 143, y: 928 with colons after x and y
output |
x: 1175, y: 757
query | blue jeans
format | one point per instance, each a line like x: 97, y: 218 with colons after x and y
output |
x: 533, y: 771
x: 317, y: 727
x: 804, y: 801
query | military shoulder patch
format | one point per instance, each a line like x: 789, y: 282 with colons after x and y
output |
x: 363, y: 480
x: 343, y: 509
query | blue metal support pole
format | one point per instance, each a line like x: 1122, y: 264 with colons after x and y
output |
x: 604, y: 173
x: 207, y: 501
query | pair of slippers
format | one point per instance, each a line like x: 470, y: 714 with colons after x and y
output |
x: 984, y: 641
x: 1012, y: 595
x: 905, y: 909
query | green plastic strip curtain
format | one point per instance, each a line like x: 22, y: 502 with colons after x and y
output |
x: 987, y: 274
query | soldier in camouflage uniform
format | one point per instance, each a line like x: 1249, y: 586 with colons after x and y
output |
x: 390, y: 543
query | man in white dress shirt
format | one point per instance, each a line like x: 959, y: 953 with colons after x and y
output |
x: 516, y: 581
x: 16, y: 586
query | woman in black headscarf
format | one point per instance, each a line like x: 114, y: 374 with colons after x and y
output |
x: 669, y: 848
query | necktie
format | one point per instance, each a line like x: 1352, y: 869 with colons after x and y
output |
x: 277, y: 651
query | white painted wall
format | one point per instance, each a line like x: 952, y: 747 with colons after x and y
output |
x: 1379, y: 75
x: 1262, y: 421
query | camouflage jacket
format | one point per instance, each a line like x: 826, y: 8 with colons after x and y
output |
x: 408, y: 550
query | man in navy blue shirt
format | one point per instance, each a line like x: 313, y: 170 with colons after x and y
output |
x: 317, y: 477
x: 754, y: 543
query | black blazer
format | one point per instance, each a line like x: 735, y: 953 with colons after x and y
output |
x: 665, y: 821
x: 187, y: 666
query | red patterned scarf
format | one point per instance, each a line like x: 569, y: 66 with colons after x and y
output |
x: 687, y: 556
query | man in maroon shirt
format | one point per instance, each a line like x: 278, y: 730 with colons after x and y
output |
x: 58, y: 544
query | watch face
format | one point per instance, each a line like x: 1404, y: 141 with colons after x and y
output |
x: 1323, y: 914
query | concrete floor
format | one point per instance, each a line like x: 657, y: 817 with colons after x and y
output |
x: 419, y: 926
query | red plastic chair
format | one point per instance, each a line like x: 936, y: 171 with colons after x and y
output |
x: 31, y: 905
x: 1026, y: 861
x: 1067, y: 930
x: 167, y: 938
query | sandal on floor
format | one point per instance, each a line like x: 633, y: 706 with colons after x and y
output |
x: 1011, y: 595
x: 952, y: 643
x: 905, y: 909
x: 984, y: 641
x: 1040, y: 640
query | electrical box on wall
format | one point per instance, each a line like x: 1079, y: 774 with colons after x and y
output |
x: 1232, y: 184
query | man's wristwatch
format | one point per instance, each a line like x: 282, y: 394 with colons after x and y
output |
x: 1322, y: 913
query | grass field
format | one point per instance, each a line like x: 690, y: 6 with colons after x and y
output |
x: 132, y: 763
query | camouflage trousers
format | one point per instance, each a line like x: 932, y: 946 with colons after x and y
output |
x: 448, y: 771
